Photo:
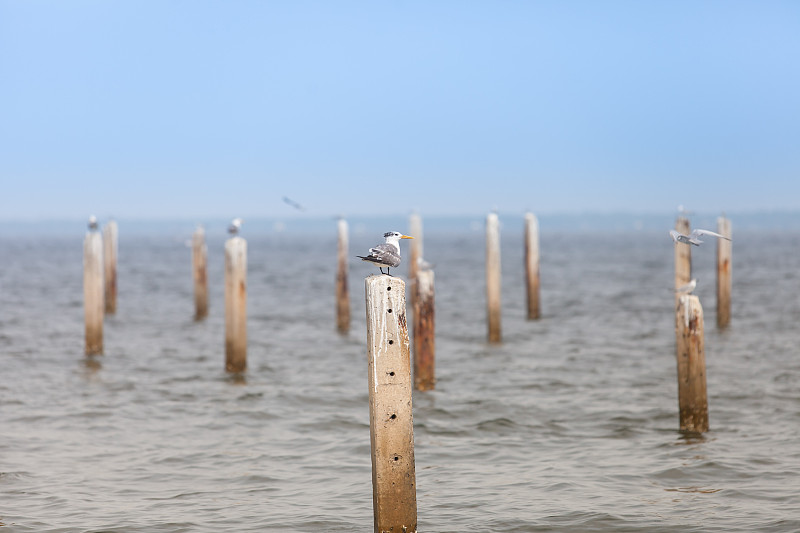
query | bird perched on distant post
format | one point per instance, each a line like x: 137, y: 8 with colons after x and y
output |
x: 386, y: 254
x: 92, y: 223
x: 694, y: 236
x: 688, y: 288
x: 236, y: 223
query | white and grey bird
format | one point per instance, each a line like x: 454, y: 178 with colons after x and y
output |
x: 236, y: 223
x: 694, y: 236
x: 688, y: 288
x: 92, y: 223
x: 387, y: 254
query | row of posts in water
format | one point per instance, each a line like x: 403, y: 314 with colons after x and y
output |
x: 388, y: 346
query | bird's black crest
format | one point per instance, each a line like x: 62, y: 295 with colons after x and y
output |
x: 388, y: 233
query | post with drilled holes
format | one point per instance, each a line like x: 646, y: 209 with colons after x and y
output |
x: 93, y: 300
x: 394, y: 493
x: 493, y: 277
x: 236, y: 304
x: 683, y: 257
x: 342, y: 293
x: 532, y: 264
x: 424, y: 330
x: 200, y: 273
x: 110, y: 266
x: 692, y: 398
x: 724, y: 249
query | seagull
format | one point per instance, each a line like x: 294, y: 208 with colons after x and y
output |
x: 92, y: 223
x: 423, y: 265
x: 236, y: 223
x: 387, y: 254
x: 694, y: 236
x: 688, y: 288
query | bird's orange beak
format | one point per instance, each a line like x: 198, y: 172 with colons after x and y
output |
x: 406, y: 237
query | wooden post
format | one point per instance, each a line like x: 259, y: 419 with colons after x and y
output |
x: 110, y: 265
x: 724, y: 248
x: 683, y: 257
x: 236, y: 305
x: 415, y: 247
x: 692, y: 399
x: 493, y: 277
x: 424, y: 330
x: 93, y: 301
x: 342, y: 292
x: 532, y: 264
x: 394, y: 494
x: 200, y: 273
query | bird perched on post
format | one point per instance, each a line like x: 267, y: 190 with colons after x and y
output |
x: 694, y: 236
x: 236, y: 223
x: 386, y: 254
x: 92, y: 223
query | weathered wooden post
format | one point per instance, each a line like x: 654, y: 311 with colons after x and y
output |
x: 93, y: 300
x: 110, y: 266
x: 532, y: 264
x: 724, y: 249
x: 415, y: 248
x: 200, y: 273
x: 424, y: 330
x: 692, y: 398
x: 394, y: 494
x: 342, y: 292
x: 683, y: 257
x: 236, y: 304
x: 493, y: 277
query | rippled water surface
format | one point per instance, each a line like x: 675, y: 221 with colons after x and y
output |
x: 569, y: 425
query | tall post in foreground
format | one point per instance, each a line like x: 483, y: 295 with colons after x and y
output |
x: 532, y: 264
x: 394, y: 493
x: 200, y: 273
x: 110, y: 265
x: 692, y: 398
x: 236, y: 304
x: 493, y: 277
x: 342, y: 293
x: 724, y: 249
x: 424, y: 330
x: 93, y: 304
x: 683, y: 257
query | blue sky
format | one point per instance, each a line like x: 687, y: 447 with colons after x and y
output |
x: 155, y: 109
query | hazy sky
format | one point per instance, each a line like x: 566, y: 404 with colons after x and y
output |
x: 221, y: 108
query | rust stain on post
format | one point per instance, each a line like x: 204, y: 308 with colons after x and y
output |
x: 110, y: 247
x: 200, y: 273
x: 691, y: 359
x: 236, y: 305
x: 342, y: 291
x: 424, y: 331
x: 93, y: 291
x: 394, y: 498
x: 493, y: 277
x: 532, y: 264
x: 724, y: 258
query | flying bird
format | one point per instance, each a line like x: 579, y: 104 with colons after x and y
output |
x: 386, y: 254
x: 294, y: 204
x: 236, y: 223
x: 694, y: 236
